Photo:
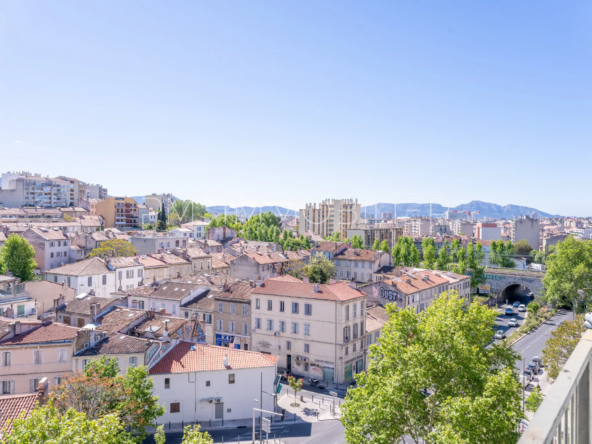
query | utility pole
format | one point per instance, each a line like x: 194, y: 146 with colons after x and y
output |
x: 261, y: 412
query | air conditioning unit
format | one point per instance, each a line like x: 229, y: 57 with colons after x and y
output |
x: 218, y: 400
x: 279, y: 347
x: 211, y: 401
x: 305, y: 359
x: 276, y: 333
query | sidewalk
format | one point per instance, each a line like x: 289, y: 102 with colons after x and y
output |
x: 313, y: 409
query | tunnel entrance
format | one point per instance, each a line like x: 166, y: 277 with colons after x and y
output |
x: 515, y: 292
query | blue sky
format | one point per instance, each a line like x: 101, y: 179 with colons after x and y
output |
x: 292, y: 101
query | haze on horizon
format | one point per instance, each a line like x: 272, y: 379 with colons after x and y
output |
x: 283, y: 103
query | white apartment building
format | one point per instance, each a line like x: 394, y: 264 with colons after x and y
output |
x: 329, y: 216
x: 527, y: 228
x: 315, y: 330
x: 360, y: 265
x: 84, y: 276
x: 417, y: 226
x: 129, y: 272
x: 198, y: 227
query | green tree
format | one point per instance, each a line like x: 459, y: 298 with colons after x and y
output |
x: 335, y: 237
x: 533, y: 308
x: 100, y: 391
x: 376, y: 245
x: 159, y: 436
x: 228, y: 221
x: 18, y: 257
x: 429, y: 257
x: 405, y: 253
x: 522, y: 248
x: 384, y: 246
x: 113, y: 248
x: 192, y: 435
x: 534, y: 401
x: 148, y: 226
x: 569, y: 273
x: 48, y: 425
x: 561, y: 344
x: 357, y: 242
x: 320, y: 270
x: 426, y: 366
x: 443, y: 259
x: 263, y: 227
x: 473, y: 261
x: 296, y: 385
x: 161, y: 222
x: 187, y: 211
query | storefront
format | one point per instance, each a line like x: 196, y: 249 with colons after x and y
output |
x: 227, y: 341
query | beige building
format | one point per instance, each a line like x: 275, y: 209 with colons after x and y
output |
x: 118, y: 212
x: 316, y: 330
x: 329, y: 216
x: 232, y: 315
x: 387, y: 231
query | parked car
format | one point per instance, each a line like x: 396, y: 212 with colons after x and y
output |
x: 500, y: 334
x: 509, y: 311
x: 283, y: 374
x: 538, y: 360
x: 313, y: 381
x: 528, y: 374
x: 513, y: 322
x: 517, y: 304
x: 534, y: 367
x: 522, y: 307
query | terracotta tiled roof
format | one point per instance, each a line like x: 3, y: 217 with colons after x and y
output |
x: 119, y: 319
x: 49, y: 234
x: 118, y: 344
x: 144, y: 290
x: 329, y: 246
x: 356, y: 254
x: 285, y: 278
x: 261, y: 259
x: 187, y: 357
x: 196, y: 252
x: 339, y: 291
x: 376, y: 317
x: 170, y: 259
x: 415, y: 280
x: 12, y: 406
x: 151, y: 262
x: 53, y: 332
x: 174, y: 290
x: 238, y: 290
x: 82, y: 306
x: 124, y: 262
x: 86, y: 267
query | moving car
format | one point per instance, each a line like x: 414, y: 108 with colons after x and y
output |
x: 509, y: 311
x: 283, y: 374
x: 513, y: 322
x: 500, y: 334
x: 522, y: 307
x: 517, y: 304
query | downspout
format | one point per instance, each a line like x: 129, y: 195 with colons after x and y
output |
x: 335, y: 379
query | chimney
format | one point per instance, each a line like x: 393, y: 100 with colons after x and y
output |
x: 316, y: 288
x: 225, y: 361
x: 42, y: 387
x: 305, y: 279
x: 352, y: 284
x: 162, y: 311
x: 15, y: 328
x: 252, y: 283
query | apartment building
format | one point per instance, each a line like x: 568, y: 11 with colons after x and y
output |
x: 96, y: 191
x: 52, y: 247
x: 315, y: 330
x: 118, y: 212
x: 329, y: 216
x: 129, y: 272
x: 388, y: 232
x: 198, y: 228
x: 85, y: 276
x: 527, y: 228
x: 460, y: 226
x: 232, y: 315
x: 488, y: 231
x: 417, y: 226
x: 360, y: 265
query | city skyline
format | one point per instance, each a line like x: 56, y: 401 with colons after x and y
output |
x: 287, y: 103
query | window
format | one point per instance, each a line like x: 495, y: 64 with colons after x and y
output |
x: 207, y: 383
x: 133, y: 361
x: 362, y: 308
x: 51, y: 255
x: 295, y: 307
x: 140, y: 272
x: 175, y: 407
x: 306, y: 329
x: 84, y: 362
x: 57, y: 380
x: 231, y: 326
x: 90, y: 281
x: 362, y: 276
x: 233, y: 308
x: 363, y: 265
x: 231, y: 378
x: 186, y: 315
x: 62, y: 355
x: 34, y: 385
x: 283, y: 326
x: 219, y: 325
x: 269, y: 305
x: 6, y: 359
x: 308, y: 309
x: 355, y: 264
x: 306, y: 348
x: 288, y: 345
x: 346, y: 350
x: 258, y: 323
x: 208, y: 318
x: 281, y: 306
x: 37, y: 357
x: 355, y: 314
x: 167, y: 383
x: 337, y: 262
x: 220, y: 307
x: 245, y: 309
x: 295, y: 328
x: 361, y: 328
x: 347, y: 312
x: 120, y: 275
x: 104, y: 279
x: 354, y: 348
x: 174, y: 309
x: 346, y: 334
x: 257, y: 304
x: 270, y: 324
x: 245, y: 328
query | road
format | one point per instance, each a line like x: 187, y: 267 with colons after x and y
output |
x: 503, y: 319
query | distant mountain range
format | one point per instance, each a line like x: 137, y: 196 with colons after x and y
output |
x: 480, y: 210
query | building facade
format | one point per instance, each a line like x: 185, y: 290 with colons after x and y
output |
x: 329, y: 216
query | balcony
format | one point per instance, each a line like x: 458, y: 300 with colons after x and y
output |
x: 564, y: 417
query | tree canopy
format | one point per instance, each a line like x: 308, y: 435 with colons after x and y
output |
x: 18, y: 257
x: 569, y: 273
x: 405, y: 253
x: 561, y: 344
x: 289, y: 242
x: 522, y: 247
x: 113, y: 248
x: 229, y: 221
x: 357, y: 241
x: 428, y: 372
x: 320, y: 270
x: 262, y: 227
x: 187, y: 211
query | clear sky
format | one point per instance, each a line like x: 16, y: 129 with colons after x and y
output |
x: 292, y: 101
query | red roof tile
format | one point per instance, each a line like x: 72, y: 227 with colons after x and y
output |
x: 11, y: 407
x: 53, y: 332
x: 204, y: 357
x: 339, y: 291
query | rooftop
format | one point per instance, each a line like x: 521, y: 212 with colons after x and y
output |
x: 53, y: 332
x: 86, y: 267
x: 339, y: 291
x: 118, y: 344
x: 12, y: 406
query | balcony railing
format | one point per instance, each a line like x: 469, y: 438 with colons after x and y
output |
x: 564, y: 417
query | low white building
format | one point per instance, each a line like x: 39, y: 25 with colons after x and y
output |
x: 84, y: 276
x: 129, y: 272
x: 200, y: 382
x: 198, y: 228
